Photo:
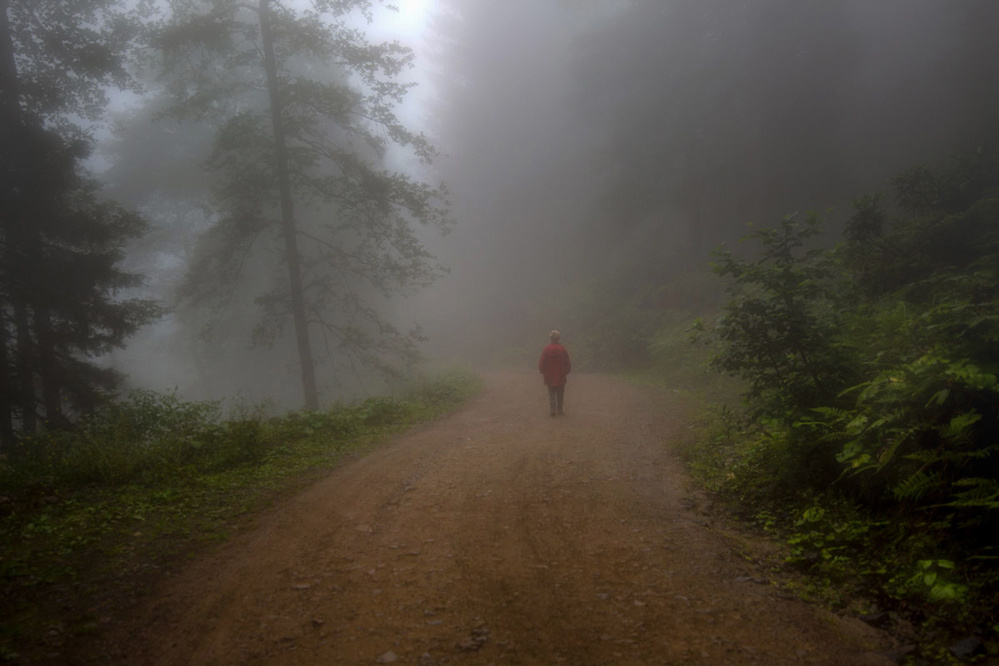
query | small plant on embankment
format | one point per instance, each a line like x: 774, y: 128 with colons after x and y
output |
x: 90, y: 517
x: 869, y: 439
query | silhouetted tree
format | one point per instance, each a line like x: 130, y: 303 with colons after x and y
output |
x: 60, y: 244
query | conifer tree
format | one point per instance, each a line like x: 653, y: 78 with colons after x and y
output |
x: 59, y: 242
x: 304, y: 110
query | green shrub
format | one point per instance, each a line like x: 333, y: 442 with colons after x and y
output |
x: 873, y: 385
x: 776, y: 330
x: 140, y: 434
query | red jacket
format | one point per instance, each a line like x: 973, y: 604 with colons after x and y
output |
x: 554, y: 364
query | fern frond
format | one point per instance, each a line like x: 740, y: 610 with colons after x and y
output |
x: 981, y: 493
x: 918, y: 484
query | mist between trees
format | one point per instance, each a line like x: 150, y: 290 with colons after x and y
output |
x: 269, y: 202
x: 268, y: 215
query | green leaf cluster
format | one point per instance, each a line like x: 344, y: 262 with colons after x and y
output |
x: 775, y: 329
x: 873, y: 377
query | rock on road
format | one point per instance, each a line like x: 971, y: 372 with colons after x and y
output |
x: 497, y: 535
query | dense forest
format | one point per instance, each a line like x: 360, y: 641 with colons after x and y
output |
x: 300, y: 203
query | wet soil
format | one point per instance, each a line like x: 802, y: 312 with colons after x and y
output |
x: 498, y: 535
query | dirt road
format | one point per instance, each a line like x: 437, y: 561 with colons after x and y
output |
x: 497, y: 536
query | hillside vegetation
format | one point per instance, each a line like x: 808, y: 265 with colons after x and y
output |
x: 868, y: 438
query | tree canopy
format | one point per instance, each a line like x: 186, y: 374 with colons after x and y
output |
x: 305, y: 128
x: 61, y: 243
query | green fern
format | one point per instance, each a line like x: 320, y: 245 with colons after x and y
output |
x: 982, y: 493
x: 917, y: 485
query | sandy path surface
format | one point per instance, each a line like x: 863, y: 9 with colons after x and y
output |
x: 497, y: 536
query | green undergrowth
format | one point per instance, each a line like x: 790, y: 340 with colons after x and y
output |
x: 901, y: 569
x: 867, y: 436
x: 90, y: 519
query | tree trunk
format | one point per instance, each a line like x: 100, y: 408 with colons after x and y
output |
x: 20, y: 388
x: 10, y: 97
x: 8, y: 132
x: 24, y: 369
x: 6, y: 384
x: 48, y: 368
x: 292, y: 256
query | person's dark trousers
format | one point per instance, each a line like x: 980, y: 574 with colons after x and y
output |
x: 555, y: 397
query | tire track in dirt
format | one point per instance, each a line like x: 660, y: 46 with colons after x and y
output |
x: 496, y: 536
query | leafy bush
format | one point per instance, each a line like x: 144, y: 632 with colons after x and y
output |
x: 873, y: 375
x: 123, y: 440
x: 776, y: 329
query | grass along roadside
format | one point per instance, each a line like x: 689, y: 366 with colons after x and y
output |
x: 899, y: 573
x: 903, y: 573
x: 90, y: 520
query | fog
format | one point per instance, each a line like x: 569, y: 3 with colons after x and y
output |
x: 595, y: 153
x: 592, y: 143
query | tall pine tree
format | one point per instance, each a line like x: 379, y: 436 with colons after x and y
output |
x: 59, y: 242
x: 304, y: 107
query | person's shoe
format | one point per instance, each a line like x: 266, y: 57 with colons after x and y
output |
x: 552, y: 414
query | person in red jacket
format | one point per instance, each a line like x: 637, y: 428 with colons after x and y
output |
x: 554, y: 366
